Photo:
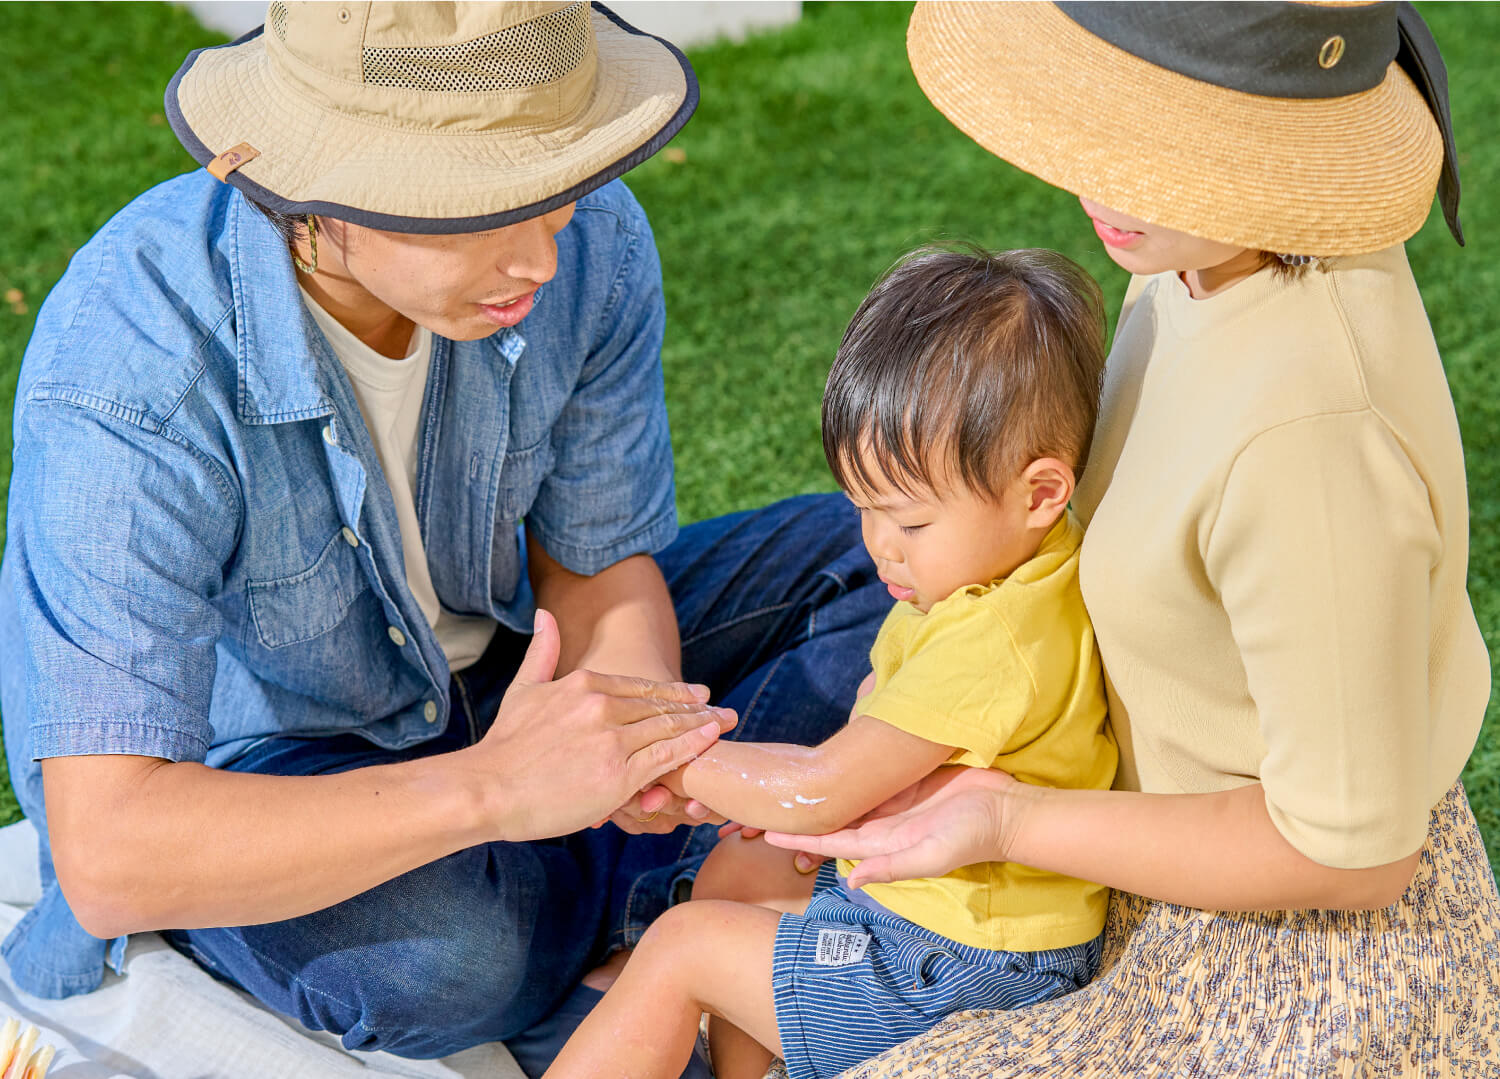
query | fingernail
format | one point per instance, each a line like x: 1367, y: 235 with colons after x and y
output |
x: 699, y: 691
x: 804, y: 864
x: 727, y: 713
x: 697, y: 812
x: 710, y: 729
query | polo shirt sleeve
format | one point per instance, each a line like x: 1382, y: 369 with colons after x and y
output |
x: 961, y: 682
x: 610, y: 493
x: 119, y: 535
x: 1321, y: 553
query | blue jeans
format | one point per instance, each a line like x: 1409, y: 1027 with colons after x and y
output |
x: 777, y: 608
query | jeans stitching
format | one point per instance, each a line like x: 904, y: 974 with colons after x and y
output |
x: 760, y: 689
x: 468, y: 707
x: 757, y: 613
x: 292, y: 976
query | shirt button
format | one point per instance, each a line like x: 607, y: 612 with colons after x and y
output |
x: 397, y: 636
x: 429, y: 712
x: 349, y: 537
x: 328, y: 435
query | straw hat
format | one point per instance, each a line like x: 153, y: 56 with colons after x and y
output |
x: 1282, y: 127
x: 430, y: 117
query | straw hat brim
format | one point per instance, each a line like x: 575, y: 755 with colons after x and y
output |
x: 1333, y: 176
x: 324, y: 161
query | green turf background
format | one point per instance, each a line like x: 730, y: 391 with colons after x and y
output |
x: 812, y: 163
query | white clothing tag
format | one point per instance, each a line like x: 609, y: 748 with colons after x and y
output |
x: 840, y: 947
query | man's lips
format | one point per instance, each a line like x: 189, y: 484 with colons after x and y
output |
x: 1114, y: 237
x: 509, y: 312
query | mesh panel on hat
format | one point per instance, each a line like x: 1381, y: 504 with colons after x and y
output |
x: 277, y: 18
x: 532, y: 53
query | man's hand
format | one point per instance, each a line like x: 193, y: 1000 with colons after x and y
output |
x: 563, y: 754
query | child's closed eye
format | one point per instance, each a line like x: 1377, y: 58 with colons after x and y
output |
x: 911, y: 530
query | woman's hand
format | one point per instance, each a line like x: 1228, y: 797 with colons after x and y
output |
x: 949, y: 818
x: 565, y: 754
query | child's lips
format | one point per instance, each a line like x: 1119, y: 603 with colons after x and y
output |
x: 899, y: 591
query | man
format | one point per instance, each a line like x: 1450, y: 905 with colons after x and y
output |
x: 266, y: 595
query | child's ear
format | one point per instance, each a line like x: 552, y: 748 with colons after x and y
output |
x: 1048, y: 483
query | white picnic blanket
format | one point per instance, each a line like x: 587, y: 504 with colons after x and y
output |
x: 165, y: 1018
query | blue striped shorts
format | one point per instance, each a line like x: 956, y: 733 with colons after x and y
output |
x: 852, y: 981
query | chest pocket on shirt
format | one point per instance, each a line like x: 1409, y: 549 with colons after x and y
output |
x: 298, y: 608
x: 521, y: 477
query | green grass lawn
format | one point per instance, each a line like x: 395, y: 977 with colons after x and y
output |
x: 813, y: 162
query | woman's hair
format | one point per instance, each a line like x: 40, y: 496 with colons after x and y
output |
x: 963, y: 365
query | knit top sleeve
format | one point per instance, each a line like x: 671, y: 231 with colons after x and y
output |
x: 1321, y: 552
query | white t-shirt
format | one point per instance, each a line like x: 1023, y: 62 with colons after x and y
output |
x: 389, y: 393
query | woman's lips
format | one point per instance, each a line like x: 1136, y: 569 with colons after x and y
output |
x: 511, y: 312
x: 1114, y: 237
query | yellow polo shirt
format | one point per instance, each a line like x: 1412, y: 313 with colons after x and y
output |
x: 1007, y: 673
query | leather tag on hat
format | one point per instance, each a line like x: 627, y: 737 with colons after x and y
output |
x: 232, y: 159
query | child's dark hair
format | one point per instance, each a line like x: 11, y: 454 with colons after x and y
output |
x: 966, y: 365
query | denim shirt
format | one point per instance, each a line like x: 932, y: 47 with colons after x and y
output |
x: 202, y: 548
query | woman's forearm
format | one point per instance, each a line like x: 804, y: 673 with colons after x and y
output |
x: 1216, y: 851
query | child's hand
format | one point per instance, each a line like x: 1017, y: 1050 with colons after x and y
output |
x: 673, y: 781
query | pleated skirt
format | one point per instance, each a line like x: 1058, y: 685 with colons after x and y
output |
x: 1410, y: 990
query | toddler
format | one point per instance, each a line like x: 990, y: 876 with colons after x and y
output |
x: 957, y: 417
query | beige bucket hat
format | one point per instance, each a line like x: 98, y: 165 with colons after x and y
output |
x: 430, y: 117
x: 1315, y: 129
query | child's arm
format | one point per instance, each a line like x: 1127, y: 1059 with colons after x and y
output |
x: 809, y: 789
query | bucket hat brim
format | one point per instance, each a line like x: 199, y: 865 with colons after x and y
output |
x: 1331, y: 176
x: 317, y: 160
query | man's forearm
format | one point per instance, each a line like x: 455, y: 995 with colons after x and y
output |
x: 181, y: 845
x: 1212, y: 851
x: 619, y: 621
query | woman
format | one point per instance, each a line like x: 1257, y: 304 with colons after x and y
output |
x: 1275, y: 558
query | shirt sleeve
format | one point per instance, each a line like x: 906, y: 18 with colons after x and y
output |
x: 119, y: 536
x: 610, y: 492
x: 1321, y: 553
x: 961, y: 683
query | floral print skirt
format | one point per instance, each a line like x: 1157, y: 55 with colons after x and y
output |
x: 1410, y: 990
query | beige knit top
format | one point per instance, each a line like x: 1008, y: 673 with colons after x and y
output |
x: 1276, y: 554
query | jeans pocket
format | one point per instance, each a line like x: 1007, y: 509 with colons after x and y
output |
x: 921, y: 963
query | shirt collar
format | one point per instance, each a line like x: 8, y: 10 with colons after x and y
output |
x: 281, y: 353
x: 277, y: 343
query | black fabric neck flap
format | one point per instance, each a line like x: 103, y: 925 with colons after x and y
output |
x: 1420, y: 59
x: 1275, y: 49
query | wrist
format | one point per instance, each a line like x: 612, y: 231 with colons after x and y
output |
x: 1020, y: 806
x: 477, y: 804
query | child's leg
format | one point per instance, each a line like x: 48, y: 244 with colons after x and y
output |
x: 748, y: 871
x: 753, y: 871
x: 709, y: 956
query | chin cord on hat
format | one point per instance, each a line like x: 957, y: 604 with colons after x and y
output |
x: 312, y: 242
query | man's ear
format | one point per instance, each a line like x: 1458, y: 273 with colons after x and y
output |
x: 1048, y: 484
